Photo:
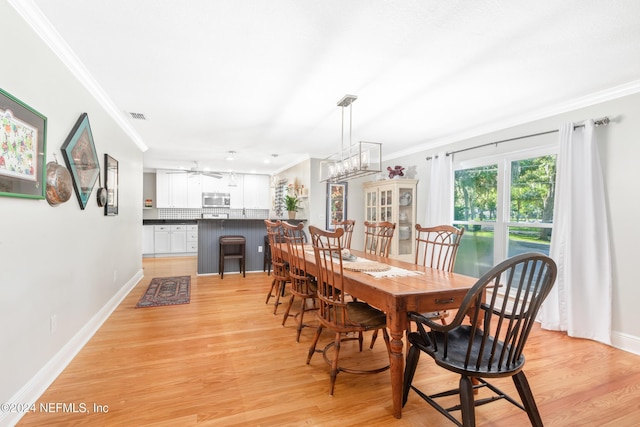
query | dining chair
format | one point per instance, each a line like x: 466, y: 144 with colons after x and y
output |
x: 437, y: 247
x: 303, y: 285
x: 278, y: 262
x: 377, y: 241
x: 377, y: 237
x: 502, y: 307
x: 347, y: 225
x: 337, y: 312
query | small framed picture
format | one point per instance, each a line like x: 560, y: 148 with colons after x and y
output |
x: 336, y: 203
x: 22, y: 149
x: 80, y: 155
x: 111, y: 183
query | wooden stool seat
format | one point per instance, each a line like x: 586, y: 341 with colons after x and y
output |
x: 232, y: 247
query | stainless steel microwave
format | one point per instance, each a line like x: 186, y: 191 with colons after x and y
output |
x: 216, y: 200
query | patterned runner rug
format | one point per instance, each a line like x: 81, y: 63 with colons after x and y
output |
x: 166, y: 291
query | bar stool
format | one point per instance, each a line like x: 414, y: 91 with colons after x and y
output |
x: 232, y: 247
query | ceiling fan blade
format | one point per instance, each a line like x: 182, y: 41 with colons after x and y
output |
x: 212, y: 175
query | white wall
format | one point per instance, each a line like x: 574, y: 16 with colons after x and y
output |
x: 59, y: 261
x: 619, y: 150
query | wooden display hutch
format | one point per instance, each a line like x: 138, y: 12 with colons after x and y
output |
x: 394, y: 200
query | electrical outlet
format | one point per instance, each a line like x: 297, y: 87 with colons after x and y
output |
x: 53, y: 324
x: 259, y: 249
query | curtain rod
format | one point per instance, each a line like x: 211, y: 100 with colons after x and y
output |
x: 599, y: 122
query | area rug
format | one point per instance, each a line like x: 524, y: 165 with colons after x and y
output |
x: 166, y: 291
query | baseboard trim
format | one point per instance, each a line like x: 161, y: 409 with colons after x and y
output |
x: 626, y: 342
x: 31, y: 391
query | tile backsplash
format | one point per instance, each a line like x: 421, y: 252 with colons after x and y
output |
x: 173, y: 213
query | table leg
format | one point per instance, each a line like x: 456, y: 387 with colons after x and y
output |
x: 396, y: 360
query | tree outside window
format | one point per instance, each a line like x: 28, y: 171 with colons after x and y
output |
x: 503, y: 217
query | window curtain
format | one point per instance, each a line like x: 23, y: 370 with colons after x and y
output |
x: 580, y: 302
x: 440, y: 195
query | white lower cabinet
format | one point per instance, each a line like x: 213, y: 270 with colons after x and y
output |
x: 172, y: 239
x: 192, y: 238
x: 161, y: 243
x: 178, y: 238
x: 148, y: 239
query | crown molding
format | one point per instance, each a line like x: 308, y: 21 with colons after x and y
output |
x: 565, y: 107
x: 34, y: 17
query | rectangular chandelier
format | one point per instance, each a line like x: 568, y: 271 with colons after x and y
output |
x: 359, y: 159
x: 353, y: 160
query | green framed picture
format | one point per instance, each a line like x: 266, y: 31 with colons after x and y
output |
x: 23, y: 138
x: 80, y: 155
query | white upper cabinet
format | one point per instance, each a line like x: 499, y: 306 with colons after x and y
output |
x: 235, y: 190
x: 184, y: 190
x: 194, y: 191
x: 256, y: 191
x: 171, y: 189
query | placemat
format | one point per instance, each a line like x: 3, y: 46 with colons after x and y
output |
x: 366, y: 266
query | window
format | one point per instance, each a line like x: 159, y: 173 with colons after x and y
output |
x: 506, y: 205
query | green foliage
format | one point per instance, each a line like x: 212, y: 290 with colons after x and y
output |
x: 532, y: 191
x: 291, y: 203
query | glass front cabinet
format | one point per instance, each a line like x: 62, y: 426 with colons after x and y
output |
x: 394, y: 200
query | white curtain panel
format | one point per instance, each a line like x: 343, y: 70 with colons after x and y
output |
x: 440, y: 195
x: 580, y: 301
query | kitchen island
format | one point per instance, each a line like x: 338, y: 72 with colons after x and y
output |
x: 210, y: 230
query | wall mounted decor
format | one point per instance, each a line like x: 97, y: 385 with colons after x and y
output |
x: 80, y: 156
x: 111, y: 183
x: 22, y: 149
x: 336, y: 203
x: 59, y: 184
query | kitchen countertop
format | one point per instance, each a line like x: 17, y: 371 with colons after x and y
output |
x: 195, y: 221
x: 168, y: 221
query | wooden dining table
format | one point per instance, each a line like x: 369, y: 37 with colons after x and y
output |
x: 430, y: 290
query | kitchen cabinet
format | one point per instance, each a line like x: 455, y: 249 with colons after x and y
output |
x: 194, y: 191
x: 148, y: 239
x: 236, y: 191
x: 178, y: 238
x: 394, y: 200
x: 192, y: 238
x: 161, y: 242
x: 178, y: 190
x: 256, y: 191
x: 184, y: 190
x: 171, y: 189
x: 169, y: 239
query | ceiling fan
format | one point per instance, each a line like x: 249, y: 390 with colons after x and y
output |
x: 195, y: 169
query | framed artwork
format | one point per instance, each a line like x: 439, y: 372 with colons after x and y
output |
x: 336, y: 203
x: 111, y: 183
x: 22, y: 149
x: 79, y: 154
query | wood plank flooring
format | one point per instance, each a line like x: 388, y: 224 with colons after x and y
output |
x: 225, y: 360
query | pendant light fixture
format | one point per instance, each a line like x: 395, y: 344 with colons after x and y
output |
x: 354, y: 160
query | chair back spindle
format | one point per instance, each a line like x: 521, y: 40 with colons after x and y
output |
x: 347, y: 225
x: 378, y: 237
x: 437, y: 247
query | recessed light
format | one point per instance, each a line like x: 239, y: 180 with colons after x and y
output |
x: 230, y: 156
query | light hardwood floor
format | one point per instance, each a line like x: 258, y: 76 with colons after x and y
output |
x: 225, y: 360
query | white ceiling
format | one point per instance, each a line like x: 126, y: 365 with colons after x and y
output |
x: 263, y: 77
